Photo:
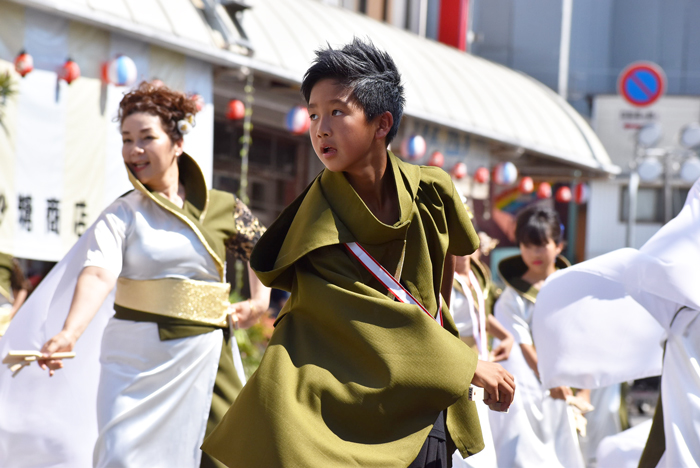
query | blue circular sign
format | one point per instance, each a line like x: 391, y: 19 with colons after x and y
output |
x: 642, y: 83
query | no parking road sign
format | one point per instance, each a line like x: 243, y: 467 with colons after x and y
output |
x: 642, y: 83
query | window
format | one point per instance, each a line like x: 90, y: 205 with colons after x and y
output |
x: 272, y: 170
x: 650, y: 203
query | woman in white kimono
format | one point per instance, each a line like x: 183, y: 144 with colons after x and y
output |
x: 537, y: 431
x: 167, y: 372
x: 636, y: 300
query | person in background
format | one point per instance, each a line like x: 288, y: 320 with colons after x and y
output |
x: 472, y: 309
x: 14, y: 289
x: 538, y: 430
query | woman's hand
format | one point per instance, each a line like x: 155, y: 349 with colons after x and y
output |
x: 502, y: 351
x: 62, y: 342
x: 245, y: 313
x: 560, y: 393
x: 498, y: 385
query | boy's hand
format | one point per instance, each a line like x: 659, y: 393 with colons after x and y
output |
x: 498, y: 385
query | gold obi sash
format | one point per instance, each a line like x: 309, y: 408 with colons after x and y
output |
x: 199, y: 301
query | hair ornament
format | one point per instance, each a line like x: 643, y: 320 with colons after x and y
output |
x: 186, y: 125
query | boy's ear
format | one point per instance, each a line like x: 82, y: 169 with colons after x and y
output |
x: 385, y: 121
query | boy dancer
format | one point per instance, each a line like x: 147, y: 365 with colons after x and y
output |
x: 352, y: 377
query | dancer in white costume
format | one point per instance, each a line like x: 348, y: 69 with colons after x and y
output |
x: 471, y: 307
x: 642, y: 298
x: 538, y: 430
x: 166, y: 369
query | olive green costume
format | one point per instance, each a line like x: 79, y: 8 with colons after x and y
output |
x: 6, y: 268
x: 352, y: 377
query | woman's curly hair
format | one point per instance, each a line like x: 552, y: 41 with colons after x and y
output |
x: 171, y: 106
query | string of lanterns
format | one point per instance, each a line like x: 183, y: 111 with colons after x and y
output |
x: 505, y: 173
x: 120, y: 71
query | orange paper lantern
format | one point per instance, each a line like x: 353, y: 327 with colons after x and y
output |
x: 563, y: 195
x: 70, y: 71
x: 24, y: 63
x: 236, y: 110
x: 544, y: 190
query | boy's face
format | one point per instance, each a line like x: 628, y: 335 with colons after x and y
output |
x: 340, y: 134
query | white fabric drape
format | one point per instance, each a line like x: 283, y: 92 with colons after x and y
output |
x: 623, y: 450
x: 603, y: 421
x: 487, y: 457
x: 154, y: 396
x: 51, y: 421
x: 606, y: 318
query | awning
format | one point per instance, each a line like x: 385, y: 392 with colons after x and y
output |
x: 443, y: 84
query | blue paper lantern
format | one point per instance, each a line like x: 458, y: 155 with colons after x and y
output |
x: 413, y: 147
x: 505, y: 173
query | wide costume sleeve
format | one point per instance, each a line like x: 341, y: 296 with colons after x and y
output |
x: 462, y: 235
x: 106, y: 242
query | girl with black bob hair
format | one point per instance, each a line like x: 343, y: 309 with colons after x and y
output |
x: 537, y: 225
x: 537, y: 431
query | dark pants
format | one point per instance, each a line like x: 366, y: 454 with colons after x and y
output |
x: 434, y: 454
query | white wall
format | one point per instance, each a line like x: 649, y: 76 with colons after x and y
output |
x: 604, y: 230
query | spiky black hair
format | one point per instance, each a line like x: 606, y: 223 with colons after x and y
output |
x: 536, y: 225
x: 370, y: 73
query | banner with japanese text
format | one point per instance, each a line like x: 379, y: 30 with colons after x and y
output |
x: 60, y: 146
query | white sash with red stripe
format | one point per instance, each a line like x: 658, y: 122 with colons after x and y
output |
x: 388, y: 280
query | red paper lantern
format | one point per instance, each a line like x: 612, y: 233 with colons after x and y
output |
x: 24, y: 63
x: 581, y: 193
x: 563, y: 195
x: 482, y: 175
x: 526, y: 185
x: 70, y: 71
x: 544, y: 190
x: 437, y: 159
x: 236, y: 110
x: 459, y: 170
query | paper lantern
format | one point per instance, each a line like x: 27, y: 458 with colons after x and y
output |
x: 505, y: 173
x: 459, y: 170
x: 482, y: 175
x: 526, y: 185
x: 581, y: 193
x: 413, y: 147
x: 236, y: 110
x: 70, y: 71
x: 24, y: 63
x: 563, y: 195
x: 198, y: 101
x: 544, y: 190
x: 298, y: 120
x: 438, y: 160
x: 120, y: 72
